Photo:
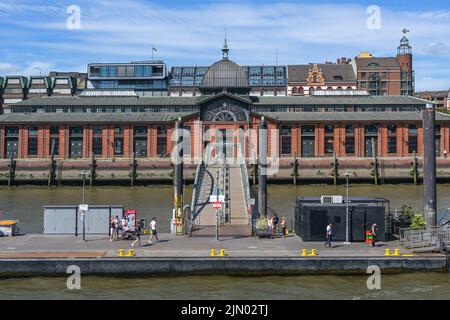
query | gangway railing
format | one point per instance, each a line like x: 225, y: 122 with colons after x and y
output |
x: 245, y: 180
x: 427, y: 238
x: 445, y: 218
x: 203, y: 188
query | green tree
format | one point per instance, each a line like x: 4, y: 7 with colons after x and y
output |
x: 418, y: 221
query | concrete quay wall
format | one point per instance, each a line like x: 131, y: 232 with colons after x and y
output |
x: 220, y: 266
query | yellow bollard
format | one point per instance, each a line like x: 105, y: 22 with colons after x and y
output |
x: 304, y: 253
x: 213, y: 253
x: 287, y: 232
x: 313, y: 253
x: 121, y: 253
x: 387, y: 252
x: 130, y: 253
x: 222, y: 253
x: 396, y: 252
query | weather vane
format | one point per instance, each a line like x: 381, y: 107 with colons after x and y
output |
x: 405, y: 31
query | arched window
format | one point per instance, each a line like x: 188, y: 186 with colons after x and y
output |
x: 339, y: 88
x: 311, y: 90
x: 330, y: 88
x: 349, y: 88
x: 301, y: 90
x: 294, y: 90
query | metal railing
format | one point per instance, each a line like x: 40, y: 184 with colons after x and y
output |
x: 245, y: 180
x: 203, y: 188
x: 445, y: 218
x: 429, y: 238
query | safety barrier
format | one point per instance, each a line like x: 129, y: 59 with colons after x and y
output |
x: 429, y: 238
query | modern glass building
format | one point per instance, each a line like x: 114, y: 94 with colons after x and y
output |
x: 145, y: 78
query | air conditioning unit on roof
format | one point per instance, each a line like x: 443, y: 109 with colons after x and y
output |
x: 331, y: 200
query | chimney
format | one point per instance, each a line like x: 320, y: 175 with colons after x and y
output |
x: 338, y: 61
x: 344, y: 60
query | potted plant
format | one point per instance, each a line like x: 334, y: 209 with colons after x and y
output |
x: 262, y: 228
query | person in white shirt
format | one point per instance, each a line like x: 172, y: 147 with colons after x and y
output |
x: 329, y: 235
x: 154, y: 233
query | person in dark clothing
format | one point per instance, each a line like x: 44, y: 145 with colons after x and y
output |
x: 329, y: 235
x: 275, y: 221
x: 137, y: 233
x: 374, y: 230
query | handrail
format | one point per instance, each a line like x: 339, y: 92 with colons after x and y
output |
x: 245, y: 179
x: 195, y: 193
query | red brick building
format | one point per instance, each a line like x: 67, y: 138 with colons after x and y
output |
x: 122, y: 126
x: 304, y: 80
x: 386, y: 76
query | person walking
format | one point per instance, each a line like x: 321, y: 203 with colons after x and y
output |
x: 275, y: 221
x: 329, y: 235
x: 153, y: 230
x: 283, y: 226
x: 112, y: 229
x: 117, y: 227
x: 137, y: 233
x: 374, y: 230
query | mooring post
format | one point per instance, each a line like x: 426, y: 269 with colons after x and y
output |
x: 93, y: 169
x: 52, y: 173
x: 254, y: 171
x: 375, y: 163
x: 295, y: 171
x: 133, y: 170
x: 335, y: 165
x: 429, y: 165
x: 415, y: 171
x: 12, y: 170
x: 262, y: 168
x: 178, y: 178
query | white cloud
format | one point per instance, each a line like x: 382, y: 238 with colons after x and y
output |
x: 437, y: 49
x: 29, y: 69
x: 126, y: 30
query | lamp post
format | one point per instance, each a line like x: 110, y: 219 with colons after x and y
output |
x: 83, y: 212
x: 217, y: 210
x: 347, y: 219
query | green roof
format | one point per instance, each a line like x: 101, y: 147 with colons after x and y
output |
x: 87, y: 118
x: 341, y: 101
x: 256, y: 101
x: 395, y: 116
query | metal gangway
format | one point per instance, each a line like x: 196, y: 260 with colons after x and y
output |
x: 232, y: 183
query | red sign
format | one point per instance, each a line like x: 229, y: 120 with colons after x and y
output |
x: 217, y: 205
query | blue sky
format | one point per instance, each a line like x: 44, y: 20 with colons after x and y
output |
x: 34, y: 34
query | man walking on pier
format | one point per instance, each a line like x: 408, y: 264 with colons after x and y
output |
x: 329, y: 235
x: 154, y: 233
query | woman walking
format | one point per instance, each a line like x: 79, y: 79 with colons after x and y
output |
x: 112, y: 229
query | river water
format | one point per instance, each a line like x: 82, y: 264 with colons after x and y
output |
x: 25, y: 204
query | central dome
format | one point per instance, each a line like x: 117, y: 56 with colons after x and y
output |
x: 225, y: 74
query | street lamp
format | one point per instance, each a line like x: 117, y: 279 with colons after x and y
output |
x: 217, y: 210
x: 83, y: 212
x: 347, y: 220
